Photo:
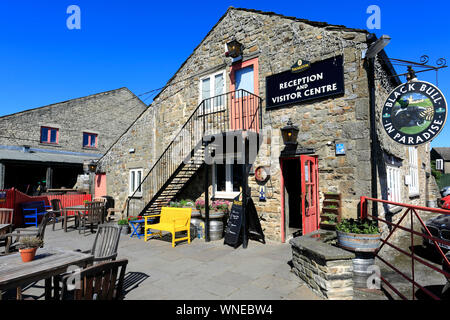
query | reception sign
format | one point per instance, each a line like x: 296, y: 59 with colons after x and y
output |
x: 321, y: 79
x: 414, y: 113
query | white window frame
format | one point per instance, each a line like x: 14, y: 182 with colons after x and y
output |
x: 440, y: 164
x: 131, y: 187
x: 394, y: 185
x: 413, y: 171
x: 212, y: 77
x: 228, y: 193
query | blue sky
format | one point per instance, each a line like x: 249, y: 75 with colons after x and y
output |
x: 140, y: 44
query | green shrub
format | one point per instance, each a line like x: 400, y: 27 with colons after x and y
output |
x: 30, y: 242
x: 359, y: 226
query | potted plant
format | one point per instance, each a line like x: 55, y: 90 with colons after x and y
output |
x: 28, y: 247
x: 221, y: 206
x: 125, y: 226
x: 360, y: 235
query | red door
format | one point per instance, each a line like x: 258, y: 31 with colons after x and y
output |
x: 100, y: 185
x: 309, y: 194
x: 244, y: 106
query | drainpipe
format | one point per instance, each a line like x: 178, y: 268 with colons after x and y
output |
x: 373, y: 134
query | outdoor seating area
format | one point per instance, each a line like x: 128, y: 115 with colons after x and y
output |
x: 150, y: 269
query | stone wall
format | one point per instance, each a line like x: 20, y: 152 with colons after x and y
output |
x: 107, y: 114
x: 276, y: 41
x: 326, y: 269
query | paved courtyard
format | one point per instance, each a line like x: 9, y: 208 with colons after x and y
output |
x: 198, y: 271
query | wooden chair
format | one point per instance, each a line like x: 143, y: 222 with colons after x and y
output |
x: 105, y: 243
x: 28, y: 232
x: 103, y: 201
x: 56, y: 212
x: 114, y: 210
x: 6, y: 218
x: 99, y: 282
x: 92, y: 215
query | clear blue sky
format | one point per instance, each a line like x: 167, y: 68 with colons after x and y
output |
x: 140, y: 44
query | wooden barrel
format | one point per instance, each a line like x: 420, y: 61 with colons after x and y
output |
x: 358, y: 242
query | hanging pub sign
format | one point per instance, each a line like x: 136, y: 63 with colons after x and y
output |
x: 322, y: 79
x: 414, y: 113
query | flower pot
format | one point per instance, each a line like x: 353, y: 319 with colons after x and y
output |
x: 27, y: 254
x: 125, y: 229
x: 358, y: 242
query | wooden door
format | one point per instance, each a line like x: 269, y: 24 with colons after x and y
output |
x: 244, y: 106
x: 100, y: 185
x: 309, y: 195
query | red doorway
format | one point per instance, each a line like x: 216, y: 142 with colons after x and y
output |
x: 244, y: 76
x: 299, y: 196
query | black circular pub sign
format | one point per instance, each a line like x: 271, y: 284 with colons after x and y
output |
x: 414, y: 113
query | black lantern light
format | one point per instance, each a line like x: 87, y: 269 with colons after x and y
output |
x: 289, y: 133
x: 234, y: 48
x: 92, y: 165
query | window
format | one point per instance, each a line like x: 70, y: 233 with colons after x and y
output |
x: 226, y: 180
x: 135, y: 181
x: 439, y: 164
x: 49, y: 135
x: 89, y: 140
x: 393, y: 183
x: 413, y: 171
x: 211, y: 86
x: 245, y: 79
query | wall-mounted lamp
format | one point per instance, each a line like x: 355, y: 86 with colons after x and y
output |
x: 92, y: 165
x: 289, y: 133
x: 234, y: 48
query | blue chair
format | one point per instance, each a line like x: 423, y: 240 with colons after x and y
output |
x: 32, y: 211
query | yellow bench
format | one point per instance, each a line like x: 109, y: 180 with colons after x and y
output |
x: 171, y: 220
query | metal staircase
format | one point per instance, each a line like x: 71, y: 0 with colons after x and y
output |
x: 185, y: 155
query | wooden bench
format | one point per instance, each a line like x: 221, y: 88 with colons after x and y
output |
x: 32, y: 210
x: 171, y: 220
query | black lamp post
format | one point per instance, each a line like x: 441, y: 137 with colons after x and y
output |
x: 289, y: 134
x: 234, y: 48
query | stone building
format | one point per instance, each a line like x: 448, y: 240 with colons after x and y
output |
x: 49, y: 144
x: 217, y: 92
x: 442, y: 158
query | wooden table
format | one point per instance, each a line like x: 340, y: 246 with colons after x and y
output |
x: 77, y: 208
x: 48, y: 262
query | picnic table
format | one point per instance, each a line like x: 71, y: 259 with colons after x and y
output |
x: 48, y: 262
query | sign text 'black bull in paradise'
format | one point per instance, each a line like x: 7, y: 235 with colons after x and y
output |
x: 414, y: 113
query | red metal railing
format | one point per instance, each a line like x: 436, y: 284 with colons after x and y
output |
x: 412, y: 211
x: 14, y: 198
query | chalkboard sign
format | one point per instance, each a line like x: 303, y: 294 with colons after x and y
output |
x: 233, y: 235
x: 234, y: 230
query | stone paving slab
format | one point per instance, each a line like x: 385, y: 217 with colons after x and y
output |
x: 196, y: 271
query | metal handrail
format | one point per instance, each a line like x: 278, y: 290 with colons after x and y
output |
x: 412, y: 210
x: 234, y: 110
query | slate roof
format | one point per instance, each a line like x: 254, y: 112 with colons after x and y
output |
x: 444, y: 152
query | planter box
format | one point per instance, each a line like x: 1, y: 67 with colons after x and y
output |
x: 358, y: 242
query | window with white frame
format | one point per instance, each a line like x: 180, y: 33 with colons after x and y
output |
x: 226, y: 180
x: 440, y: 164
x: 135, y: 182
x: 393, y: 177
x: 213, y: 86
x: 413, y: 171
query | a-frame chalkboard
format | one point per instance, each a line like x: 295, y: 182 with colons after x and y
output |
x: 234, y: 229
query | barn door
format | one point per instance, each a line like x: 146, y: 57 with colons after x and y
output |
x: 309, y: 193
